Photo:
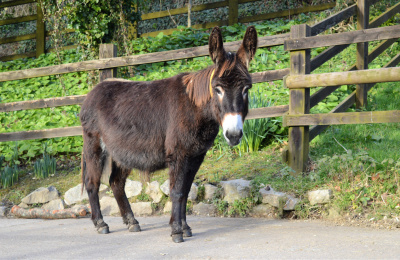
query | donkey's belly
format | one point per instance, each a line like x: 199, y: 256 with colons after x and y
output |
x: 141, y: 160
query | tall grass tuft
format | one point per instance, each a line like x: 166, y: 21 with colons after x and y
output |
x: 255, y: 131
x: 46, y: 166
x: 8, y: 175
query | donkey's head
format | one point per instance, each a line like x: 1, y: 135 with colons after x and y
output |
x: 230, y: 82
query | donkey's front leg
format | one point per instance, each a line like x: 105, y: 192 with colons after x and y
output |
x: 176, y: 219
x: 192, y: 168
x: 177, y: 179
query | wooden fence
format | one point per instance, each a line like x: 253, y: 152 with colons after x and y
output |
x: 299, y: 81
x: 233, y: 14
x: 40, y: 34
x: 298, y: 41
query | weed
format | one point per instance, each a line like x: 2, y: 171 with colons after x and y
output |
x: 222, y: 206
x: 240, y: 207
x: 201, y: 192
x: 189, y: 207
x: 254, y: 194
x: 143, y: 197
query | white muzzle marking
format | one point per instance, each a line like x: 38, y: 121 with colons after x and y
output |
x: 232, y: 123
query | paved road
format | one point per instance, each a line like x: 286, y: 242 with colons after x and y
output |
x: 214, y: 238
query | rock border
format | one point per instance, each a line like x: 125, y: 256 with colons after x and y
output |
x: 205, y: 199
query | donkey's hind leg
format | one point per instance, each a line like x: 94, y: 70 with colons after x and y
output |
x: 93, y: 160
x: 117, y: 182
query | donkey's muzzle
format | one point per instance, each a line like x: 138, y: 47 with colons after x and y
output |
x: 233, y: 137
x: 232, y: 125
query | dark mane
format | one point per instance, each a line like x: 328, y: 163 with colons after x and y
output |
x: 197, y: 86
x: 198, y: 83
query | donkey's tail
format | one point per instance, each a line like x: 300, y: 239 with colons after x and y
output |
x: 83, y: 171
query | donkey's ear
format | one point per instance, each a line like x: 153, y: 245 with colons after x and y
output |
x: 215, y: 45
x: 248, y: 48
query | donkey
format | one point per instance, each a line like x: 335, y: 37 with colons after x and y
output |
x: 164, y: 123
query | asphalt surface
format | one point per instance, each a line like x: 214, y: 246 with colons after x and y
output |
x: 213, y: 238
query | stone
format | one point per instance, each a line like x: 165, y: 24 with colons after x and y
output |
x: 23, y: 205
x: 54, y: 205
x: 209, y: 191
x: 41, y: 195
x: 204, y: 209
x: 192, y: 196
x: 3, y: 211
x: 291, y: 203
x: 74, y: 195
x: 333, y: 214
x: 165, y: 187
x: 153, y: 190
x: 263, y: 211
x: 79, y: 206
x: 109, y: 206
x: 168, y: 207
x: 235, y: 189
x: 273, y: 198
x: 142, y: 208
x: 319, y: 196
x: 133, y: 188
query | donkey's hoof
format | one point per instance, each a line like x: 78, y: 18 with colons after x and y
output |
x: 187, y: 232
x: 134, y: 228
x: 103, y: 230
x: 177, y: 238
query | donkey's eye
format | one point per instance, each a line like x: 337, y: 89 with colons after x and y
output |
x: 245, y: 91
x: 219, y: 91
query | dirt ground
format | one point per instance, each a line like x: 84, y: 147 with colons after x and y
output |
x: 213, y: 238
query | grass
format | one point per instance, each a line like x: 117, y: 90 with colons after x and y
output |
x: 67, y: 176
x: 361, y: 163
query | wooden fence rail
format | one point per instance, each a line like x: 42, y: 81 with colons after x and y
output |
x: 233, y: 16
x: 186, y: 53
x: 374, y: 34
x: 343, y: 78
x: 371, y: 117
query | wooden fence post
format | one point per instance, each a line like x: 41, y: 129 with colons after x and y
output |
x: 40, y: 33
x: 189, y: 14
x: 233, y: 12
x: 362, y: 51
x: 299, y: 103
x: 107, y: 51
